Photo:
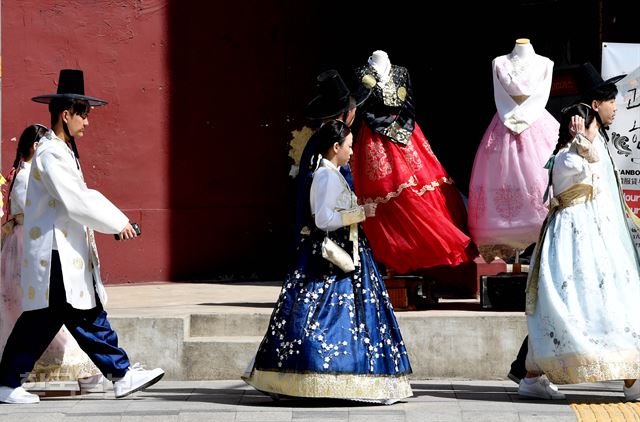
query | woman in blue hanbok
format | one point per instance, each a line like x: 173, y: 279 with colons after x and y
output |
x: 583, y: 317
x: 333, y: 334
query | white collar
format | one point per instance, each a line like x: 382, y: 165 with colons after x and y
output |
x: 327, y: 163
x: 52, y: 135
x: 58, y: 141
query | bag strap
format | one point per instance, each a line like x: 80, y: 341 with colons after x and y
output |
x: 353, y: 228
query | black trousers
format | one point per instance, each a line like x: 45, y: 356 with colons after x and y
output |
x: 34, y: 331
x: 518, y: 367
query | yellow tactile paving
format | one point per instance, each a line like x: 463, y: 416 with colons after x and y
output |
x: 601, y: 412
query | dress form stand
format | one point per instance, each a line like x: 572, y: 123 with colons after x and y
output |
x: 521, y: 55
x: 398, y: 287
x: 406, y: 292
x: 524, y: 51
x: 517, y: 267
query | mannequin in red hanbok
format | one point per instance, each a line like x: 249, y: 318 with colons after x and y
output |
x: 421, y: 218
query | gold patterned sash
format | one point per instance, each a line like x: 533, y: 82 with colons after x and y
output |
x: 575, y: 195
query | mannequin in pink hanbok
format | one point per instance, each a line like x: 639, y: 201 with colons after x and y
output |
x: 506, y: 206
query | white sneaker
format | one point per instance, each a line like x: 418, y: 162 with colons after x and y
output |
x: 550, y: 384
x: 92, y: 384
x: 632, y: 393
x: 17, y: 395
x: 542, y: 388
x: 136, y: 379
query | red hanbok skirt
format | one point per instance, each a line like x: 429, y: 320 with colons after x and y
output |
x: 420, y: 220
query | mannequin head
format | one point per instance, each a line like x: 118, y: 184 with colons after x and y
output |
x: 379, y: 60
x: 523, y: 48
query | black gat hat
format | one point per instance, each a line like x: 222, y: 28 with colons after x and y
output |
x: 589, y: 81
x: 70, y: 85
x: 334, y: 96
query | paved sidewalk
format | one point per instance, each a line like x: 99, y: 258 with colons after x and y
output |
x: 434, y: 400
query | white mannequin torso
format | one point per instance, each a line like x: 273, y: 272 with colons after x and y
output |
x: 380, y: 62
x: 522, y: 83
x: 524, y: 64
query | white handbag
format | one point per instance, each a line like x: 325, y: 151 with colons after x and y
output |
x: 333, y: 253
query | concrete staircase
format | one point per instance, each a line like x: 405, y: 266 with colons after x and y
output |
x: 446, y: 343
x: 221, y: 346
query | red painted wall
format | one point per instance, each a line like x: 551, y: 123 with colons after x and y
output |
x: 193, y: 142
x: 122, y: 49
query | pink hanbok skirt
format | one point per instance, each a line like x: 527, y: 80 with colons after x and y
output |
x: 63, y: 360
x: 506, y: 207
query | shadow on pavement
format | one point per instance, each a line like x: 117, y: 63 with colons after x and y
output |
x: 246, y: 397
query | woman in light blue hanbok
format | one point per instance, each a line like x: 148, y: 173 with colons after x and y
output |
x: 333, y: 334
x: 582, y: 298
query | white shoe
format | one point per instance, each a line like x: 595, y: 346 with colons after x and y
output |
x: 136, y: 379
x: 632, y: 393
x: 17, y: 395
x: 542, y: 388
x: 550, y: 384
x: 92, y: 384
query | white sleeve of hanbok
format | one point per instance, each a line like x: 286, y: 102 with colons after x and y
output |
x: 85, y: 206
x: 325, y: 190
x: 19, y: 192
x: 572, y: 162
x: 585, y: 148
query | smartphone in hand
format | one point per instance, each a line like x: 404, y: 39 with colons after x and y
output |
x: 135, y: 226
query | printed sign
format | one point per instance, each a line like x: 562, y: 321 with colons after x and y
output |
x: 617, y: 59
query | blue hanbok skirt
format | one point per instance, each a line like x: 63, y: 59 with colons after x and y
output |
x: 333, y: 334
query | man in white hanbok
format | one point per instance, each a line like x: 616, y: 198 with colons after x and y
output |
x: 583, y: 318
x: 61, y: 281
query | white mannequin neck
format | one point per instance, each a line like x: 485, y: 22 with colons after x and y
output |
x: 523, y: 49
x: 379, y: 60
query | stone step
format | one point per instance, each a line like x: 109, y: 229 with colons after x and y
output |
x: 461, y: 344
x: 218, y: 357
x: 154, y: 341
x: 228, y: 324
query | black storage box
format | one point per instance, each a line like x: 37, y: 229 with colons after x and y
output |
x: 503, y: 292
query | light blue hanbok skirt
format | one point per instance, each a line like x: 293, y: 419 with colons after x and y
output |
x: 586, y: 323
